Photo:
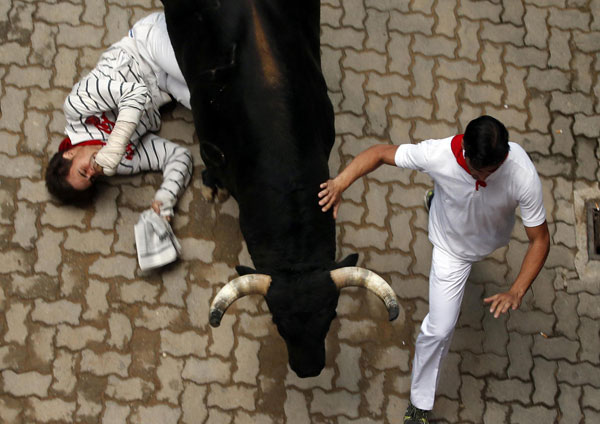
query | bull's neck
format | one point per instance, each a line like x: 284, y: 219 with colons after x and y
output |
x: 287, y: 230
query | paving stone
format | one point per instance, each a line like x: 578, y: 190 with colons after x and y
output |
x: 64, y: 372
x: 481, y: 365
x: 411, y: 23
x: 434, y: 45
x: 50, y: 410
x: 223, y: 339
x: 588, y: 306
x: 26, y: 384
x: 376, y: 113
x: 115, y: 413
x: 78, y: 338
x: 335, y: 403
x: 377, y: 31
x: 519, y: 354
x: 521, y: 414
x: 128, y: 389
x: 206, y: 371
x: 342, y: 38
x: 589, y: 337
x: 555, y: 348
x: 356, y: 237
x: 157, y: 318
x: 115, y: 266
x: 231, y: 397
x: 16, y: 316
x: 577, y: 375
x: 156, y: 414
x: 192, y: 410
x: 184, y: 344
x: 471, y: 397
x: 364, y: 61
x: 87, y: 409
x: 535, y: 22
x: 11, y: 52
x: 530, y: 322
x: 247, y: 361
x: 586, y: 126
x: 53, y: 313
x: 398, y: 48
x: 509, y: 390
x: 389, y: 262
x: 591, y: 397
x: 104, y: 364
x: 450, y: 376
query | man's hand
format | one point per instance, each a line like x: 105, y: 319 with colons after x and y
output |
x: 501, y: 302
x: 330, y: 195
x: 156, y: 208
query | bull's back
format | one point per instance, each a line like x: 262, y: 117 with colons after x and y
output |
x: 261, y: 110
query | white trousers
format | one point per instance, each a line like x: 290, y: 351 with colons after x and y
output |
x: 154, y: 45
x: 447, y: 280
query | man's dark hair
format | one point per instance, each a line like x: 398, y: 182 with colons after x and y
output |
x: 56, y: 182
x: 485, y: 142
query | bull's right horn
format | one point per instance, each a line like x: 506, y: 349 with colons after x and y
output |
x: 361, y: 277
x: 235, y: 289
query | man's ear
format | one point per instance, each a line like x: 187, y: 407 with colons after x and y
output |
x: 244, y: 270
x: 68, y: 154
x: 349, y: 260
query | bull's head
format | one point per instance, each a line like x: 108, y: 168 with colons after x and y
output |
x: 303, y: 306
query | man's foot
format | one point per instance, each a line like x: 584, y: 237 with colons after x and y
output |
x: 414, y: 415
x: 428, y: 198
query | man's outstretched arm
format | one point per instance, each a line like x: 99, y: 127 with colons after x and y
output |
x: 537, y: 252
x: 367, y: 161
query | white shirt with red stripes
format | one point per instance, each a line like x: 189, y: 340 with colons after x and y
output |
x: 471, y: 223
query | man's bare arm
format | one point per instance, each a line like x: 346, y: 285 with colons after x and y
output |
x: 537, y: 252
x: 365, y: 162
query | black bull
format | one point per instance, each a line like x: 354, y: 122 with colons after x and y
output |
x: 266, y: 126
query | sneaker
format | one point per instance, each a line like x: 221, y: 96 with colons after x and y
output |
x: 428, y: 198
x: 414, y: 415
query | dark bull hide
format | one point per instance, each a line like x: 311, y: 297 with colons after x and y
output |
x: 265, y: 122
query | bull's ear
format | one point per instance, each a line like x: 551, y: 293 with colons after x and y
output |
x: 349, y: 260
x: 244, y: 270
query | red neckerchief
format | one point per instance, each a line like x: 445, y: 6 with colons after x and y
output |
x: 104, y: 125
x: 66, y: 144
x: 457, y: 149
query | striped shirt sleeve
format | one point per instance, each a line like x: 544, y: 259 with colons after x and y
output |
x: 155, y: 153
x: 94, y: 95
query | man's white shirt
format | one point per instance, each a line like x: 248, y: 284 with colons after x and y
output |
x: 471, y: 223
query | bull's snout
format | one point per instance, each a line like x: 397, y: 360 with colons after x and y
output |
x: 307, y: 363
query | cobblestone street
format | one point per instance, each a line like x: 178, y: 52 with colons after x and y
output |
x: 86, y: 337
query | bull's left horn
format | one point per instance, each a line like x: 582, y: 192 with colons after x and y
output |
x: 360, y: 277
x: 235, y: 289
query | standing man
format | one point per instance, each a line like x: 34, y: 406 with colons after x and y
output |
x: 479, y: 180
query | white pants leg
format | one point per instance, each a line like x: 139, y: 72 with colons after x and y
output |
x: 155, y: 47
x: 447, y: 280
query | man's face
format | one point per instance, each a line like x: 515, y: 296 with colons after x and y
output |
x: 82, y: 173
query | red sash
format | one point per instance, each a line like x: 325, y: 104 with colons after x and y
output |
x: 457, y: 149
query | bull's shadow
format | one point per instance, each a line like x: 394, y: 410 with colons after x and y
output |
x: 266, y: 126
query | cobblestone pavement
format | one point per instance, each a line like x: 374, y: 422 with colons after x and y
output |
x: 86, y: 337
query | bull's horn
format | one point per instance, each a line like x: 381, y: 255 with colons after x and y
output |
x: 232, y: 291
x: 360, y: 277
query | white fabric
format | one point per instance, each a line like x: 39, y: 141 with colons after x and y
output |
x: 470, y: 223
x: 154, y: 153
x: 110, y: 155
x: 155, y: 242
x: 447, y: 280
x: 153, y: 43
